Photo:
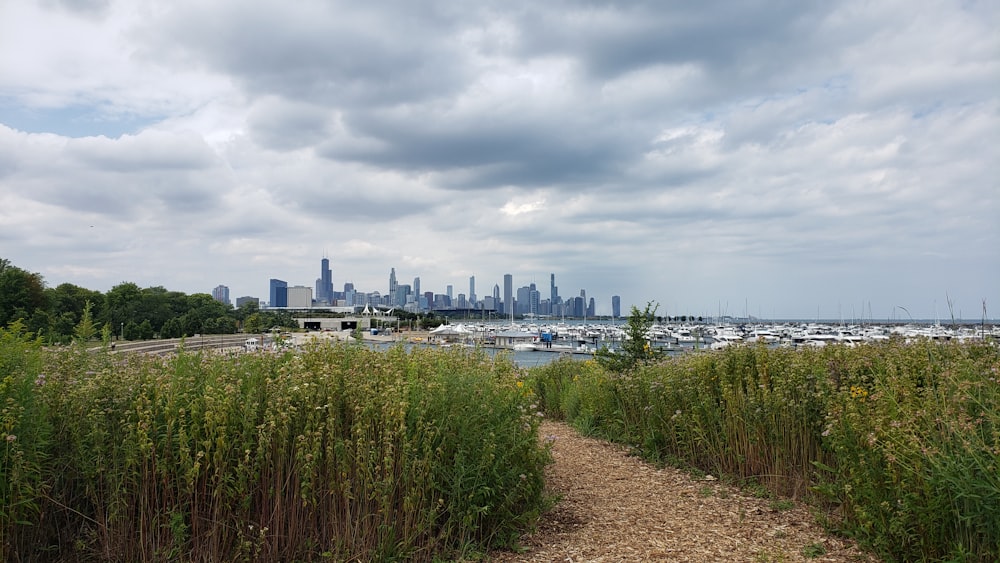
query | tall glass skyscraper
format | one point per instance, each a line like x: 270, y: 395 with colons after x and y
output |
x: 279, y: 293
x: 324, y: 285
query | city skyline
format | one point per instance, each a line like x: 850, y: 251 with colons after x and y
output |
x: 534, y: 304
x: 787, y: 160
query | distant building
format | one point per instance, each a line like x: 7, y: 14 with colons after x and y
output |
x: 241, y: 301
x: 221, y: 294
x: 279, y: 293
x: 522, y: 304
x: 508, y: 294
x: 392, y: 285
x: 324, y: 284
x: 403, y: 292
x: 300, y: 297
x: 472, y: 290
x: 616, y: 306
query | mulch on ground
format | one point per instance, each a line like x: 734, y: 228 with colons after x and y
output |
x: 615, y: 507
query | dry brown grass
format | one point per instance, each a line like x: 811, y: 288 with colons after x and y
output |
x: 615, y: 507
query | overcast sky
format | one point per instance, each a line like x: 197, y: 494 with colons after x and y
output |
x: 783, y: 158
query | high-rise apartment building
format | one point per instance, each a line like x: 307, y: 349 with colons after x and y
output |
x: 472, y: 291
x: 278, y: 293
x: 616, y: 306
x: 221, y: 294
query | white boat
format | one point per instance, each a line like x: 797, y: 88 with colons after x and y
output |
x: 524, y: 347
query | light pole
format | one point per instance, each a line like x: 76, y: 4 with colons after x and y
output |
x: 123, y: 332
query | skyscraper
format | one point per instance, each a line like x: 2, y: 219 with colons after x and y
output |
x: 392, y: 285
x: 221, y: 294
x: 534, y: 297
x: 553, y: 290
x: 508, y: 294
x: 324, y: 284
x: 472, y: 290
x: 522, y: 303
x: 279, y: 293
x: 616, y: 306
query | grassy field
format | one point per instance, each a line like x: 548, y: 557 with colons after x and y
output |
x: 336, y: 453
x: 898, y: 444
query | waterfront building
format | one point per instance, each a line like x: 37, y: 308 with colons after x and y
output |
x: 616, y: 306
x: 472, y: 291
x: 278, y: 293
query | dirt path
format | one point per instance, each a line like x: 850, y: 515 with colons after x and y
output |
x: 614, y: 507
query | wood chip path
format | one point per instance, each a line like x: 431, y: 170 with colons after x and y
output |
x: 615, y: 507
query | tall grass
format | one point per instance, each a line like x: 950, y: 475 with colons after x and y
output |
x: 899, y: 442
x: 339, y: 452
x: 24, y: 434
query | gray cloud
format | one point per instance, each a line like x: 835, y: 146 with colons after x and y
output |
x: 794, y: 154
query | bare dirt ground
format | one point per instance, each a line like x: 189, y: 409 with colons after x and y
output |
x: 615, y: 507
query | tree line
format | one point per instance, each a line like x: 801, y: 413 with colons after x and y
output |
x: 125, y: 311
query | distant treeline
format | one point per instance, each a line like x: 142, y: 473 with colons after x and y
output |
x: 125, y: 311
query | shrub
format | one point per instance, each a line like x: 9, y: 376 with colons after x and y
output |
x: 902, y: 441
x: 339, y: 451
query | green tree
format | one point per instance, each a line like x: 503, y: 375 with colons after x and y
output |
x: 146, y: 330
x: 21, y: 293
x: 252, y: 325
x: 66, y: 302
x: 636, y: 348
x: 85, y: 329
x: 172, y: 329
x: 121, y: 302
